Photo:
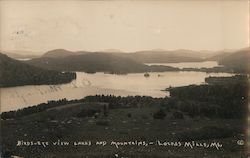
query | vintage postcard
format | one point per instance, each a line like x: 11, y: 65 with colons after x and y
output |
x: 124, y: 79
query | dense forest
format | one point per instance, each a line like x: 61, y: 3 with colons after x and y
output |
x: 16, y: 73
x: 224, y: 97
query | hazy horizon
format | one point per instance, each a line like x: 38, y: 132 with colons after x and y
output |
x: 128, y: 26
x: 23, y: 52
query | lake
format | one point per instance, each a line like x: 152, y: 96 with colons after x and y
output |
x: 91, y: 84
x: 205, y: 64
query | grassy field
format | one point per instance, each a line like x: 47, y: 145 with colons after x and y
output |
x: 91, y: 122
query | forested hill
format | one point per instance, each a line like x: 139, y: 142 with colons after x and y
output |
x: 61, y: 53
x: 163, y: 56
x: 238, y: 61
x: 16, y: 73
x: 96, y: 62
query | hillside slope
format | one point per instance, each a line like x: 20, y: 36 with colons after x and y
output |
x: 238, y: 61
x: 16, y: 73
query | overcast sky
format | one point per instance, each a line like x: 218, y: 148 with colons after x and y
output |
x: 40, y: 26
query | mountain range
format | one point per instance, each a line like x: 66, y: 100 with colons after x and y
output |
x: 147, y: 56
x: 118, y: 62
x: 94, y: 62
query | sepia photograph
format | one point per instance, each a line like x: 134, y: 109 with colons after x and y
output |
x: 124, y: 78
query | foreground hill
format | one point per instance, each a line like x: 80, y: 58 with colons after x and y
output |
x: 16, y: 73
x: 96, y: 62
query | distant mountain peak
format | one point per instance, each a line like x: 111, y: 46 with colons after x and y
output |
x: 58, y: 50
x: 158, y: 50
x: 58, y: 53
x: 112, y: 51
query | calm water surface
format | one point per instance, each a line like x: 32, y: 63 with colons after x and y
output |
x: 205, y: 64
x: 91, y: 84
